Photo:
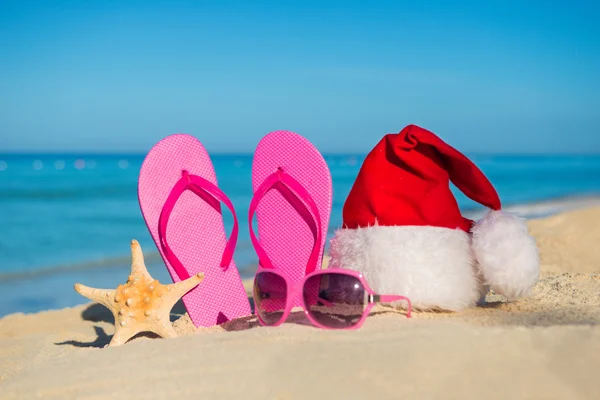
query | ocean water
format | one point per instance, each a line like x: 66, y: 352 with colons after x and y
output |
x: 68, y: 219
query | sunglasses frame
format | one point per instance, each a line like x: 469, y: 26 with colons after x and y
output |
x: 293, y: 291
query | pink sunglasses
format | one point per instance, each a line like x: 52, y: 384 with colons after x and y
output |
x: 334, y: 298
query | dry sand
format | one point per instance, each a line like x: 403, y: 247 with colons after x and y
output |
x: 546, y: 346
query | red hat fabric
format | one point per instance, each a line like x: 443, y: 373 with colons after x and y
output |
x: 405, y: 180
x: 392, y: 219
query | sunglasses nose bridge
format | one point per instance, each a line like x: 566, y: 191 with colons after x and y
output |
x: 296, y: 291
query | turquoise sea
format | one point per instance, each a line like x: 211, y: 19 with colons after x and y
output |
x: 70, y: 218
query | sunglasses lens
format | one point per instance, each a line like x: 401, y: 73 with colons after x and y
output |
x: 270, y: 296
x: 334, y: 300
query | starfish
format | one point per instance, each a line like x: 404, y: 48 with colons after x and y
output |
x: 142, y: 304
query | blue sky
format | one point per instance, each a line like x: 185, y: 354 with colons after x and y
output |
x: 108, y: 76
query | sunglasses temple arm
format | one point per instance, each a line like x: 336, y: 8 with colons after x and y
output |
x: 382, y: 298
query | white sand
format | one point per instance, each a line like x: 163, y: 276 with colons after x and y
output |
x: 544, y: 347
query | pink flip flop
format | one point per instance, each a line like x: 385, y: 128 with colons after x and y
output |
x: 180, y: 202
x: 292, y: 200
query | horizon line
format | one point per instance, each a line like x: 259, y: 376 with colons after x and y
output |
x: 20, y: 153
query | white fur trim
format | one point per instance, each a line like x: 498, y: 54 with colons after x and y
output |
x: 430, y: 265
x: 506, y: 253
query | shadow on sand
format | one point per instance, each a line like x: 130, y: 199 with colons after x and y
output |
x: 98, y: 313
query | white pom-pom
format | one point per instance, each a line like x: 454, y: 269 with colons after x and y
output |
x: 507, y: 255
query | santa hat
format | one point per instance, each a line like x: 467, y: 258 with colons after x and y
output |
x: 402, y: 227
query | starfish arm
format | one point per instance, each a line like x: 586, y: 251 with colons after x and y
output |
x: 165, y: 329
x: 177, y: 290
x: 122, y: 335
x: 102, y: 296
x: 138, y: 267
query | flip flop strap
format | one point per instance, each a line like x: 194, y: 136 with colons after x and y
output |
x: 300, y: 195
x: 212, y: 195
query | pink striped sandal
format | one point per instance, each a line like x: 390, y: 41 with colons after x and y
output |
x: 292, y: 200
x: 180, y: 202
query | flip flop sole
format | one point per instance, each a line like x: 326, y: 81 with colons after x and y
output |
x: 196, y: 233
x: 283, y: 233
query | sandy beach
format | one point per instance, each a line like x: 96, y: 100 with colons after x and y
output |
x: 546, y: 346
